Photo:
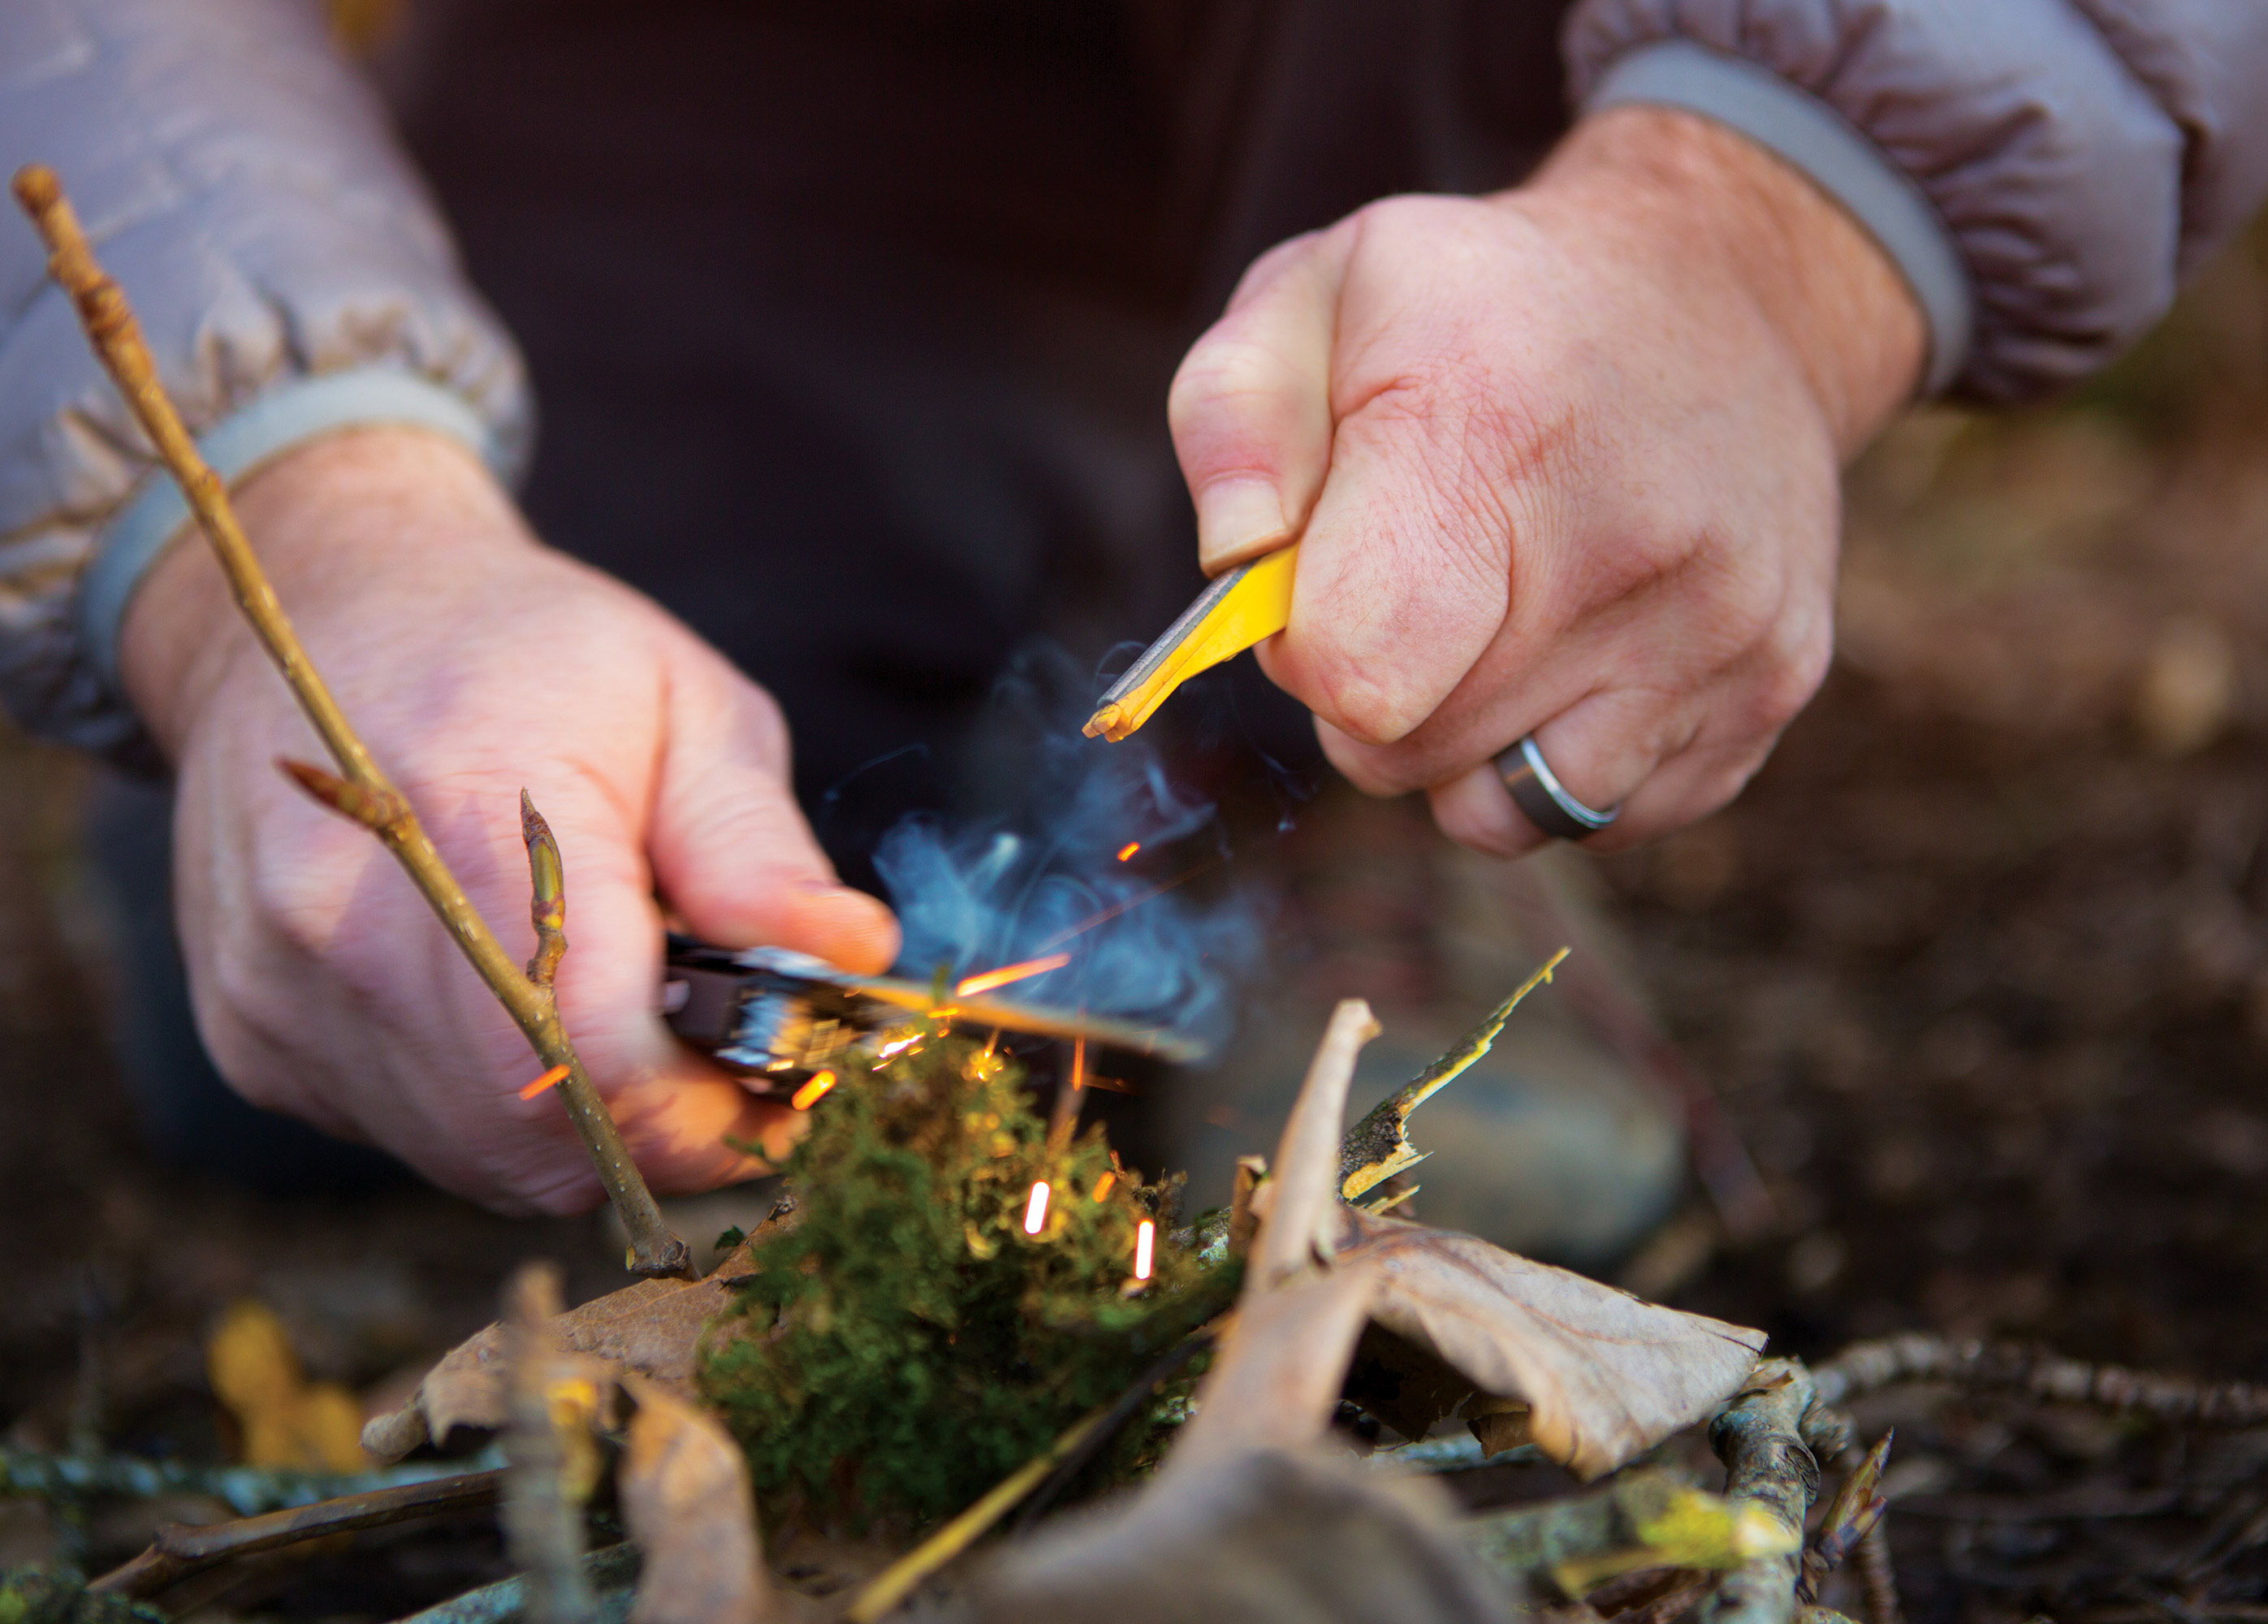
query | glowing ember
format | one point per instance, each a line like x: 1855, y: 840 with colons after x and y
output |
x: 1035, y: 1210
x: 807, y: 1096
x: 1129, y: 849
x: 1001, y: 977
x: 1103, y: 1185
x: 1077, y: 1064
x: 552, y: 1078
x: 1145, y: 1242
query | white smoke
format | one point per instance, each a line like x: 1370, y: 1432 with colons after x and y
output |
x: 1158, y: 937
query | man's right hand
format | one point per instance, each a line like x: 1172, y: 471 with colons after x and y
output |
x: 474, y: 661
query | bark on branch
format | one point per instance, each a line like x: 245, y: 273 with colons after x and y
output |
x: 1865, y: 1367
x: 181, y: 1549
x: 1760, y: 1438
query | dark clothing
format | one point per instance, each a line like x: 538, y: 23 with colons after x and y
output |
x: 897, y: 403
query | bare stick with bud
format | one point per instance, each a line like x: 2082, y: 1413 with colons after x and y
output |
x: 363, y: 794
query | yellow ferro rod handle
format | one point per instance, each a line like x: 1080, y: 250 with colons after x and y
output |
x: 1250, y: 602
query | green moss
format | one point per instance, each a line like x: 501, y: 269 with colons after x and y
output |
x: 906, y: 1345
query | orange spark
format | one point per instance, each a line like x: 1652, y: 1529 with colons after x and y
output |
x: 1077, y: 1064
x: 807, y: 1096
x: 1129, y: 849
x: 1103, y: 1185
x: 1035, y: 1210
x: 1145, y: 1241
x: 990, y: 979
x: 552, y: 1078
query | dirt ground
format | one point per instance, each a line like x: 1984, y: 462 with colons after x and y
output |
x: 1979, y: 967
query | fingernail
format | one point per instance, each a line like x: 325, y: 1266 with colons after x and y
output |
x: 1237, y: 520
x: 862, y: 932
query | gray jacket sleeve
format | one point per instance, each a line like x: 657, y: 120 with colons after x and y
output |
x: 2042, y: 170
x: 238, y: 178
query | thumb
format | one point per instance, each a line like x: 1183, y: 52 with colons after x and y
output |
x: 730, y: 847
x: 1250, y: 407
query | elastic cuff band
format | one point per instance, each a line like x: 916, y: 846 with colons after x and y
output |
x: 277, y: 421
x: 1835, y: 153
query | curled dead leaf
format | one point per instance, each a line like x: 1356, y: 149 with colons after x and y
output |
x: 1269, y: 1537
x: 1598, y: 1376
x: 686, y: 1501
x: 1605, y: 1376
x: 653, y: 1328
x: 1296, y: 1202
x: 1282, y: 1364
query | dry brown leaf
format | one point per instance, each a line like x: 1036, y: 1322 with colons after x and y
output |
x: 1605, y: 1375
x: 1269, y: 1537
x: 686, y: 1501
x: 1275, y: 1381
x: 652, y: 1327
x: 286, y: 1420
x: 1295, y: 1204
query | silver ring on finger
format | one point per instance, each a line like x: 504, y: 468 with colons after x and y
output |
x: 1543, y: 799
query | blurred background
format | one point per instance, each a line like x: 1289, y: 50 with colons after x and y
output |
x: 1978, y: 966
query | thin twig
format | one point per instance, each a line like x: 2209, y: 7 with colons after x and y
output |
x: 1855, y: 1512
x: 180, y: 1549
x: 365, y: 795
x: 1864, y: 1367
x: 612, y: 1570
x: 1584, y: 1546
x: 246, y: 1490
x: 895, y: 1583
x: 1879, y: 1577
x: 542, y: 1521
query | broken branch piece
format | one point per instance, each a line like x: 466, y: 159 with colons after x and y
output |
x: 1378, y: 1147
x: 363, y: 794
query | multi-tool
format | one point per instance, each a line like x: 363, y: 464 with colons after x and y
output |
x: 776, y: 1017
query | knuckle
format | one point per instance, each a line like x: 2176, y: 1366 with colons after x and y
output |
x: 1224, y: 367
x: 760, y: 724
x: 301, y: 895
x: 1366, y: 711
x: 1234, y: 406
x: 1274, y: 263
x: 1798, y: 653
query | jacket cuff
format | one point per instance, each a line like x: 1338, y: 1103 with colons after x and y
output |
x: 1822, y: 144
x: 237, y: 447
x: 2044, y: 155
